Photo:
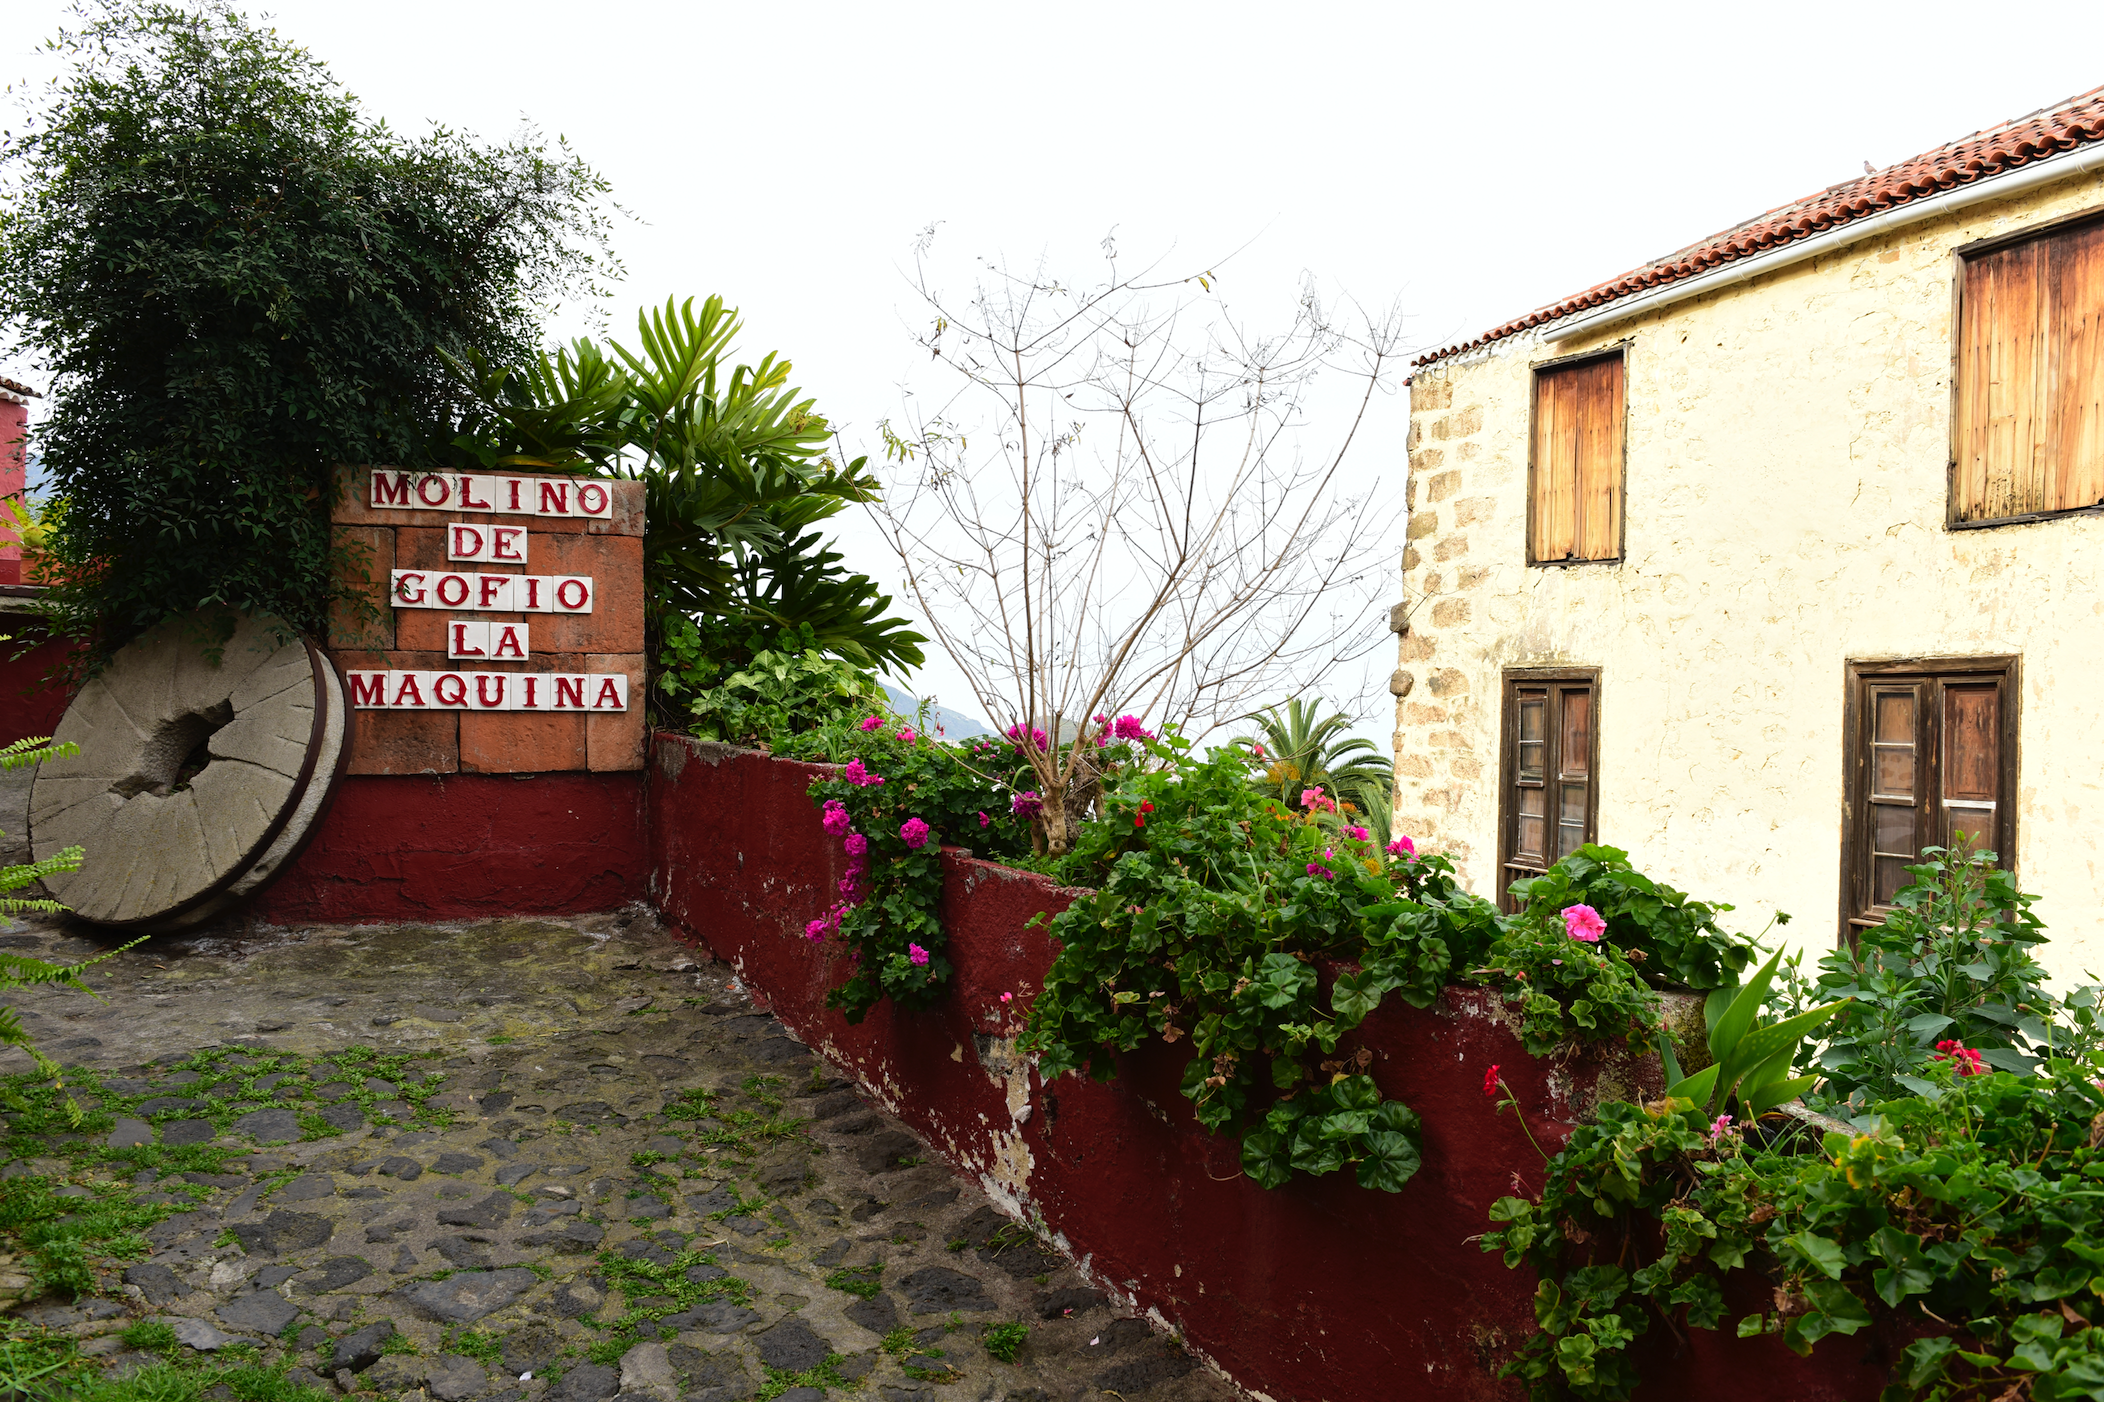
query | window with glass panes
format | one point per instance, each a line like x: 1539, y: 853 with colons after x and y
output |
x: 1549, y: 769
x: 1931, y: 763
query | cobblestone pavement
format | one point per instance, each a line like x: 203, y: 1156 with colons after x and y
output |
x: 556, y: 1159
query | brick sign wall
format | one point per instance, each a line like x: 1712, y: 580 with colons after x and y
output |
x: 509, y: 628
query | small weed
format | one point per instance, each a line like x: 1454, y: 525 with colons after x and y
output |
x: 865, y: 1281
x: 762, y: 1089
x: 958, y: 1243
x: 398, y: 1343
x: 826, y: 1376
x: 645, y: 1158
x: 500, y: 1039
x: 911, y: 1161
x: 899, y: 1342
x: 150, y: 1336
x: 486, y: 1349
x: 1004, y: 1341
x: 607, y: 1351
x: 1041, y: 1279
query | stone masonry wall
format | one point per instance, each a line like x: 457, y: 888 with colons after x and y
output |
x: 1787, y: 452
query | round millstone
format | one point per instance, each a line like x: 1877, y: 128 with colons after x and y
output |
x: 200, y: 774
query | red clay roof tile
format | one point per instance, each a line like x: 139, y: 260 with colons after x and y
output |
x: 2047, y: 132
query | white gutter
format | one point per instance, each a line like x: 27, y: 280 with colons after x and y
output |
x: 1744, y: 269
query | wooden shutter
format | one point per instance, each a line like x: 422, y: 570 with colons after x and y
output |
x: 1932, y: 764
x: 1577, y: 462
x: 2031, y: 379
x: 1971, y: 764
x: 2074, y: 437
x: 1549, y: 799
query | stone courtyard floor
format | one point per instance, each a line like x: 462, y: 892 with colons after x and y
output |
x: 557, y: 1159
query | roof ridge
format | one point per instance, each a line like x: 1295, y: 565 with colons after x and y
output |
x: 1990, y: 151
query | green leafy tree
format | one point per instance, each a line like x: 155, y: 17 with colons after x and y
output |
x: 238, y: 280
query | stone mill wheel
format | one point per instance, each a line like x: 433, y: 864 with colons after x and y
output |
x: 195, y: 783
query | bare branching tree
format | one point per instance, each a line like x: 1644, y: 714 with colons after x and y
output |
x: 1120, y: 505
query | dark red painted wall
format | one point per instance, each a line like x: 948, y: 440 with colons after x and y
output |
x: 28, y: 706
x: 1318, y: 1290
x: 464, y: 846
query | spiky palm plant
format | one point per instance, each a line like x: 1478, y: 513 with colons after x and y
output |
x: 1303, y: 749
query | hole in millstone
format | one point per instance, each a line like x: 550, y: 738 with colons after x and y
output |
x: 179, y: 751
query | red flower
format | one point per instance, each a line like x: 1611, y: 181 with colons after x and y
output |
x: 1145, y: 809
x: 1969, y: 1062
x: 1490, y: 1084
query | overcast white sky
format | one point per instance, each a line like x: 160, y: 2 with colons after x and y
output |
x: 1473, y: 161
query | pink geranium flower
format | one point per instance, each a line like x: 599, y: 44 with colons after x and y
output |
x: 914, y: 833
x: 916, y: 956
x: 1316, y: 801
x: 836, y: 820
x: 1357, y: 833
x: 1402, y: 847
x: 1584, y: 923
x: 1026, y: 804
x: 906, y: 735
x: 872, y: 723
x: 984, y: 820
x: 856, y: 844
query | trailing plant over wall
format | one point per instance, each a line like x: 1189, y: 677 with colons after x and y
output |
x: 899, y: 796
x: 1960, y: 1211
x: 1216, y: 907
x: 238, y: 280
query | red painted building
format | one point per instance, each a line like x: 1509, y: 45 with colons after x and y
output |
x: 14, y: 432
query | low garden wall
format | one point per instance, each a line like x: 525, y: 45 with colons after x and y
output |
x: 1317, y: 1290
x: 466, y: 846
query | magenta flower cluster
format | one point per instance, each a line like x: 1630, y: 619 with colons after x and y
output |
x: 860, y: 777
x: 905, y: 735
x: 836, y: 820
x: 1123, y: 728
x: 872, y: 722
x: 916, y: 956
x: 1358, y: 834
x: 1321, y: 868
x: 1402, y: 847
x: 1026, y: 804
x: 1582, y: 922
x: 1316, y: 801
x: 914, y: 833
x: 1038, y: 739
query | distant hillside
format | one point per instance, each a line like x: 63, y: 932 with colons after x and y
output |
x: 955, y: 724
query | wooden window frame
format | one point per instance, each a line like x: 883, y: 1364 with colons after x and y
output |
x: 1960, y: 256
x: 1860, y: 677
x: 1508, y: 755
x: 1618, y: 351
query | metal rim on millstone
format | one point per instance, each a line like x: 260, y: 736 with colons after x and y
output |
x: 198, y: 781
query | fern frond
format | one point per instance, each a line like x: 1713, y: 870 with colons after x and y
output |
x: 34, y: 749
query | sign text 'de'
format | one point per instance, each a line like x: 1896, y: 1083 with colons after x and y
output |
x: 498, y: 494
x: 486, y: 541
